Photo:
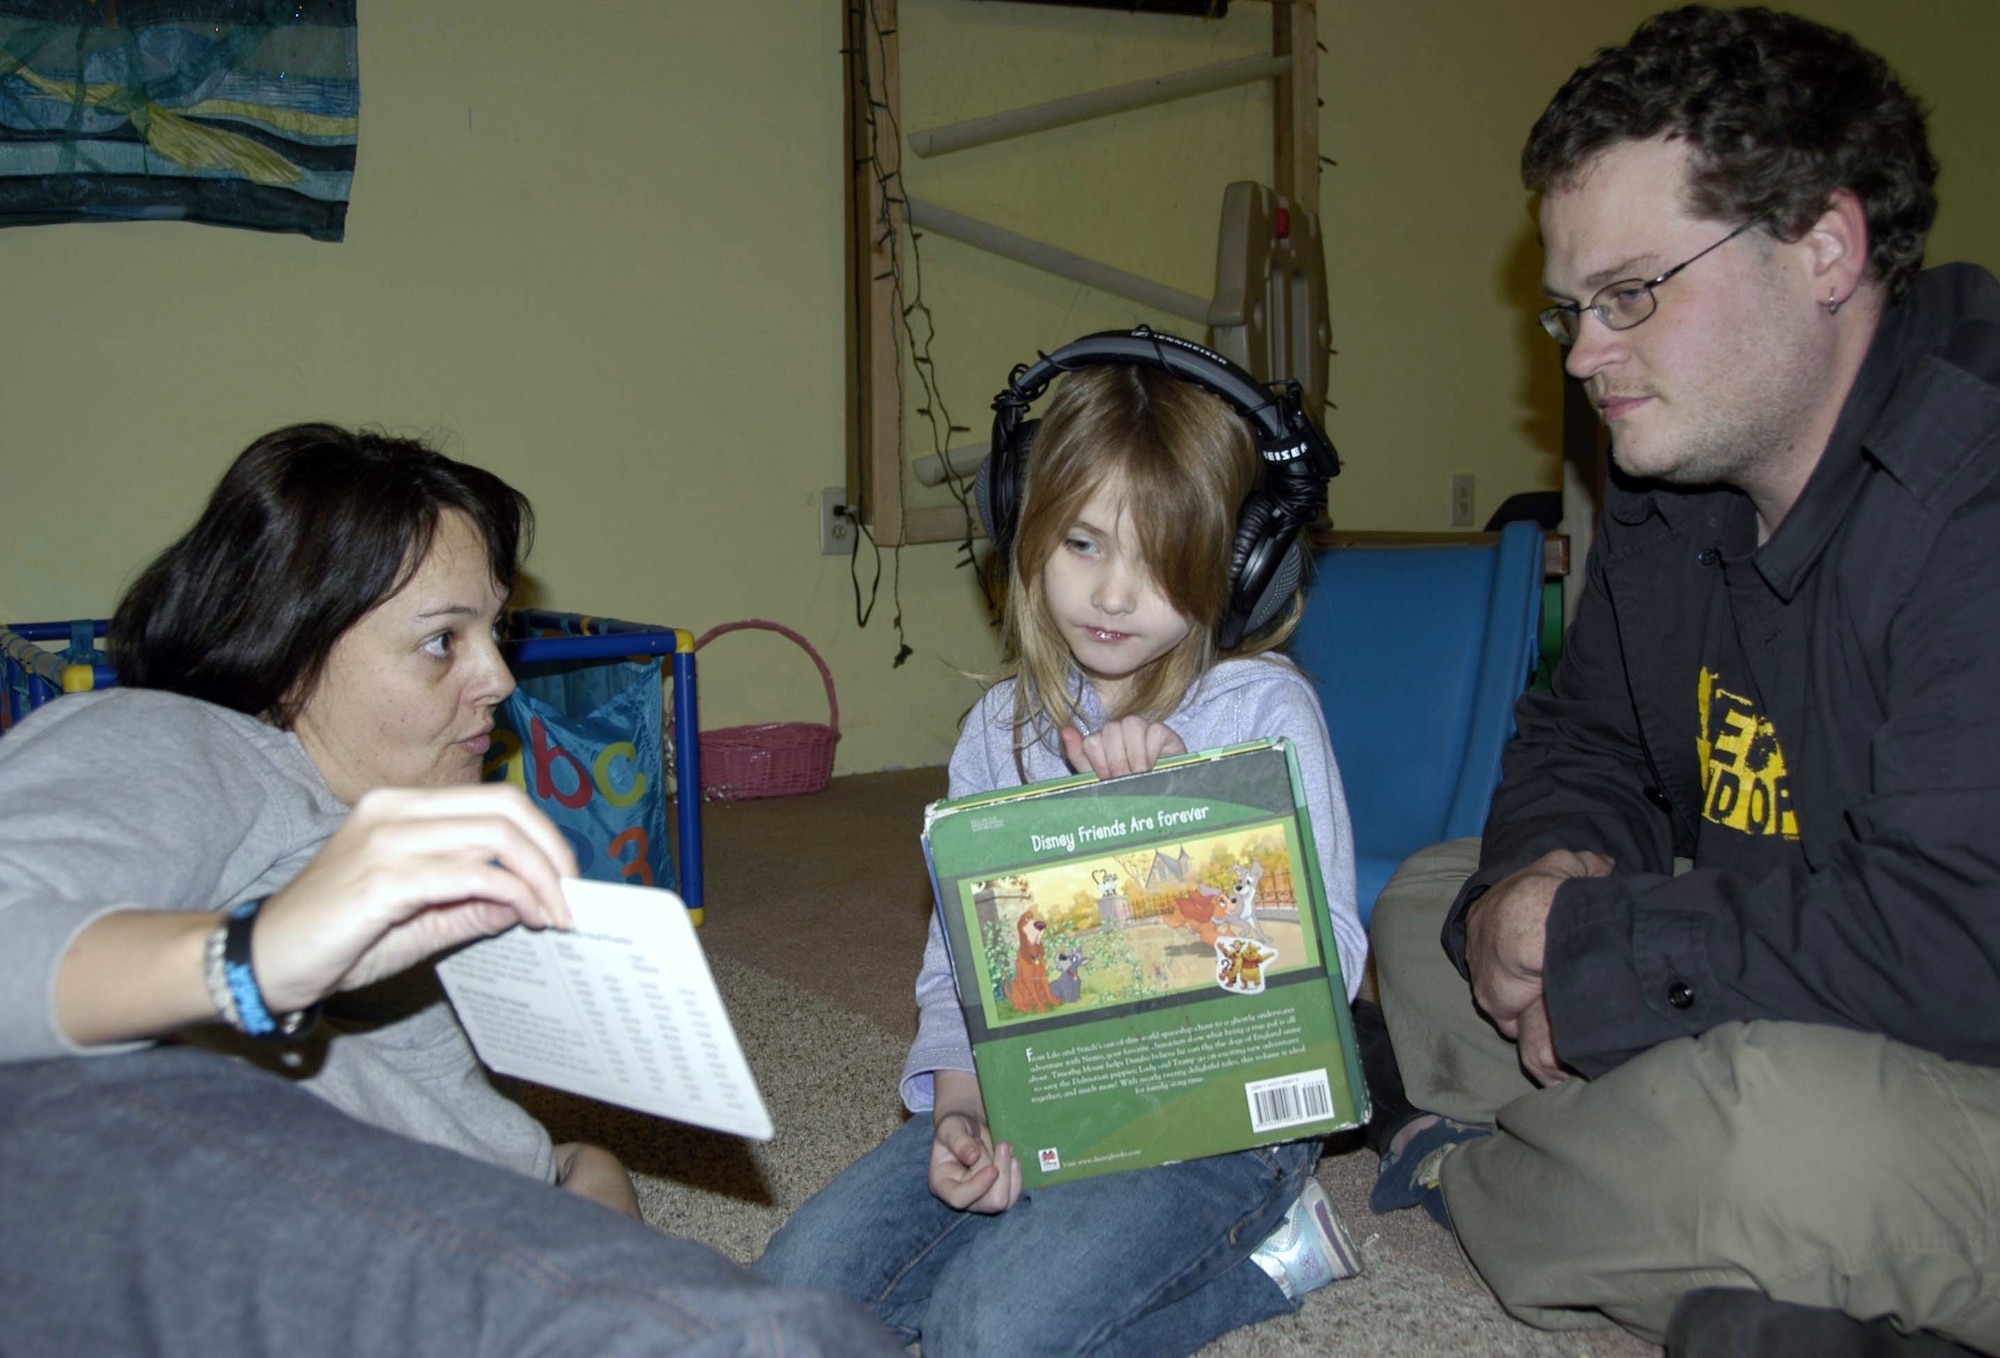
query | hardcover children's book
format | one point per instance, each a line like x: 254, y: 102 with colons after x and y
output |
x: 1145, y: 963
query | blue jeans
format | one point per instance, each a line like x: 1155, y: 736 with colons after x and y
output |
x: 175, y: 1201
x: 1149, y: 1262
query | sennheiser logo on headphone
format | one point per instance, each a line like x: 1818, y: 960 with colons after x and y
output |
x: 1286, y: 454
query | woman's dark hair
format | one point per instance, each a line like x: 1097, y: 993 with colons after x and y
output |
x: 1780, y: 112
x: 310, y: 528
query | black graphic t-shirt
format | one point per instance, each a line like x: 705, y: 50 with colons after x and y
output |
x: 1748, y: 822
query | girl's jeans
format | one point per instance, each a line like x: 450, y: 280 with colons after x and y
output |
x: 1147, y: 1262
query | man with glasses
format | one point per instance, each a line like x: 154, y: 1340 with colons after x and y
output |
x: 1732, y: 936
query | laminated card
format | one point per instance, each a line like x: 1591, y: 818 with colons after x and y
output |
x: 622, y: 1008
x: 1145, y: 963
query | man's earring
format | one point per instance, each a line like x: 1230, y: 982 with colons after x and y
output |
x: 1832, y: 303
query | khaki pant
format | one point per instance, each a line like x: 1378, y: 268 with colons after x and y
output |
x: 1821, y: 1166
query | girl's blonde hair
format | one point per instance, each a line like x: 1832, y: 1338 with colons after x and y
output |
x: 1183, y: 462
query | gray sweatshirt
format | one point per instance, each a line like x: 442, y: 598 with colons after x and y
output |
x: 132, y: 799
x: 1238, y: 700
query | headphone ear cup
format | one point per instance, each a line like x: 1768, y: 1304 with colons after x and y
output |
x: 1264, y: 569
x: 1290, y: 575
x: 996, y: 487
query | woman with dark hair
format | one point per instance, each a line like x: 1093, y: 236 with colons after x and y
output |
x: 308, y: 530
x: 281, y: 812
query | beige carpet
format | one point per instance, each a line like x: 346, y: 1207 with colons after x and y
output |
x: 816, y: 915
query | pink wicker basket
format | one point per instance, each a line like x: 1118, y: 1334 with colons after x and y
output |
x: 776, y: 759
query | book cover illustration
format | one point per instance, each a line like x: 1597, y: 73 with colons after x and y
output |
x: 1145, y: 963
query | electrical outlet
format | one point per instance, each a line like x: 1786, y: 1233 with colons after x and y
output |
x: 1461, y: 500
x: 836, y: 530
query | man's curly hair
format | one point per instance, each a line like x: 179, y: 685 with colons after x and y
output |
x: 1780, y: 112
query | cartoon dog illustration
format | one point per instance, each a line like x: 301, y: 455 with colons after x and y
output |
x: 1197, y: 912
x: 1239, y: 913
x: 1029, y: 989
x: 1067, y: 987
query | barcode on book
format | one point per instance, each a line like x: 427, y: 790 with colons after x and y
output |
x: 1289, y: 1100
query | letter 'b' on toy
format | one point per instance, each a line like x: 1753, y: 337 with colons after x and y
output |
x: 584, y: 740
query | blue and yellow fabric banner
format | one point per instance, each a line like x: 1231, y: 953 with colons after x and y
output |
x: 231, y: 112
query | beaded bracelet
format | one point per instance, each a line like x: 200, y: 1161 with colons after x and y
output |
x: 218, y: 977
x: 232, y: 982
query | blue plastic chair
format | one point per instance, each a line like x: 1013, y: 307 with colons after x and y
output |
x: 1418, y: 654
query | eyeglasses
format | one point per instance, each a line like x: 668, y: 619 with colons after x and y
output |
x: 1623, y: 304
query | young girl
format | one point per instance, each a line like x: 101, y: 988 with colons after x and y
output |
x: 1118, y: 578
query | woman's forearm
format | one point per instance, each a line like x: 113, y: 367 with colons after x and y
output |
x: 135, y: 974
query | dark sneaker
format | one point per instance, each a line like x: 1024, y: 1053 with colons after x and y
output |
x: 1409, y: 1177
x: 1717, y: 1322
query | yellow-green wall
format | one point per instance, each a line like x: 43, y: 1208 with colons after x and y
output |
x: 600, y: 252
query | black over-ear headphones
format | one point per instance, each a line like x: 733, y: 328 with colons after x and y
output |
x: 1266, y: 562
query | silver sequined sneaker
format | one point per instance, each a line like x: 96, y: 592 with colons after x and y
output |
x: 1310, y: 1248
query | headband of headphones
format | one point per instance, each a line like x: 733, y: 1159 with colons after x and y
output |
x: 1284, y: 431
x: 1266, y: 563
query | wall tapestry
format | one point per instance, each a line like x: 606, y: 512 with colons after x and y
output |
x: 231, y: 112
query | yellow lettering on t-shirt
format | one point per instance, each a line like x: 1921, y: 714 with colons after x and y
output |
x: 1744, y: 784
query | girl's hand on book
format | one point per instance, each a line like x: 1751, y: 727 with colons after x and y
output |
x: 1128, y: 745
x: 968, y: 1172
